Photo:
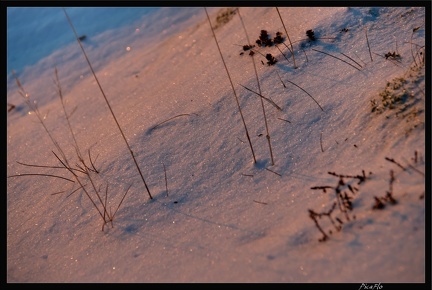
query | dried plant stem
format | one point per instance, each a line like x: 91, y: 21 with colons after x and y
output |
x: 265, y: 98
x: 284, y: 120
x: 350, y: 59
x: 46, y: 166
x: 232, y: 86
x: 41, y: 174
x: 281, y: 79
x: 307, y: 94
x: 166, y: 181
x: 282, y: 52
x: 60, y: 93
x: 322, y: 150
x: 121, y: 201
x: 108, y: 104
x: 336, y: 58
x: 367, y: 41
x: 157, y: 125
x: 292, y: 49
x: 273, y: 172
x: 65, y: 161
x: 395, y: 162
x: 82, y: 186
x: 35, y: 109
x: 307, y: 60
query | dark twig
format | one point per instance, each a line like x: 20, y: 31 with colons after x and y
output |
x: 322, y: 150
x: 284, y: 120
x: 273, y: 172
x: 250, y: 175
x: 395, y: 162
x: 324, y: 188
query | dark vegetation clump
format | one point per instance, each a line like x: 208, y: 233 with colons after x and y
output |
x: 224, y: 16
x: 271, y: 60
x: 388, y: 198
x: 344, y: 193
x: 311, y: 35
x: 264, y: 39
x: 248, y: 47
x: 278, y: 38
x: 393, y: 55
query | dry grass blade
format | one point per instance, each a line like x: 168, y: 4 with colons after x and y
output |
x: 306, y: 93
x: 163, y: 122
x: 41, y: 174
x: 281, y: 79
x: 284, y: 120
x: 91, y: 162
x: 265, y: 98
x: 322, y: 149
x: 336, y: 58
x: 82, y: 186
x: 273, y: 171
x: 166, y: 181
x: 350, y: 59
x: 124, y: 196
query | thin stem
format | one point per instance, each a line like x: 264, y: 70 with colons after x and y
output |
x: 166, y: 181
x: 292, y: 49
x: 350, y: 59
x: 336, y: 58
x: 367, y: 40
x: 265, y: 98
x: 157, y: 125
x: 108, y: 104
x: 41, y: 174
x: 306, y: 93
x: 232, y: 86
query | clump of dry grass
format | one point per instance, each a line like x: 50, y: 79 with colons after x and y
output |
x: 108, y: 104
x: 82, y: 173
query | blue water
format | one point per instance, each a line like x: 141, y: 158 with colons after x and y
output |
x: 35, y: 32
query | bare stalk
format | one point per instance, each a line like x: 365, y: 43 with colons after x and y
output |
x: 307, y: 94
x: 108, y: 104
x: 292, y: 49
x: 367, y: 40
x: 232, y: 86
x: 166, y: 181
x: 259, y: 89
